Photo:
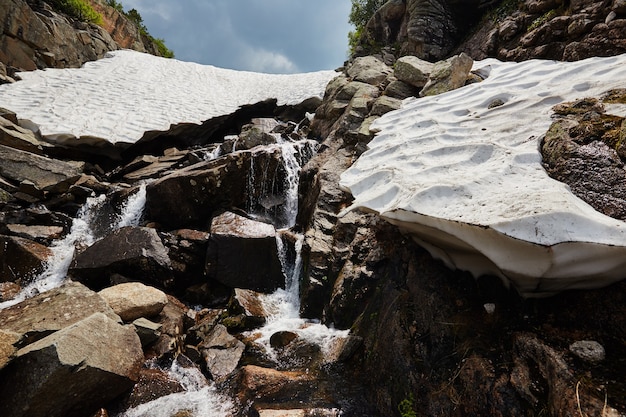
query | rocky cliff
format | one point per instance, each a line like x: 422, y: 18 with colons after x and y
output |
x: 35, y: 35
x: 506, y: 29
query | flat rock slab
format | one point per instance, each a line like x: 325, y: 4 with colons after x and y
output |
x: 52, y: 311
x: 466, y: 180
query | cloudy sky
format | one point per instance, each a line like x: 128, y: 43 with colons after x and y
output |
x: 276, y: 36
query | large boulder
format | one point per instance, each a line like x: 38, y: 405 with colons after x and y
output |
x: 72, y: 372
x: 448, y: 75
x: 238, y: 179
x: 132, y: 300
x: 243, y: 253
x: 133, y: 252
x: 413, y: 70
x: 51, y: 311
x: 17, y: 137
x: 221, y: 352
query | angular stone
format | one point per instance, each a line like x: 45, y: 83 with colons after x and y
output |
x: 52, y: 311
x: 21, y: 259
x: 385, y: 104
x: 72, y: 372
x: 133, y: 300
x: 243, y: 253
x: 413, y: 70
x: 129, y: 251
x: 195, y: 192
x: 264, y: 384
x: 147, y: 331
x: 369, y: 69
x: 221, y: 352
x: 401, y: 90
x: 35, y: 232
x: 448, y: 75
x: 17, y: 137
x: 41, y: 171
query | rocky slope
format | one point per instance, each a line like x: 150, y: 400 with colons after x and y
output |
x: 34, y: 35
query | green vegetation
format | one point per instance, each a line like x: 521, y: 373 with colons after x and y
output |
x: 360, y: 14
x: 116, y: 5
x: 407, y: 407
x: 541, y: 20
x: 78, y: 9
x: 504, y: 9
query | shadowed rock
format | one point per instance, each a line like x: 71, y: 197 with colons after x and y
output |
x: 134, y: 252
x: 243, y: 254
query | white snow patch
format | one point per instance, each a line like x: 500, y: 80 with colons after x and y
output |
x: 127, y: 93
x: 467, y: 181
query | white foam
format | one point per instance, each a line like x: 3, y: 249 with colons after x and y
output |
x: 127, y: 93
x: 467, y: 180
x: 199, y: 398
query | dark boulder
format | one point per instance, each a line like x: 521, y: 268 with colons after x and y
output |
x: 243, y: 253
x: 134, y: 252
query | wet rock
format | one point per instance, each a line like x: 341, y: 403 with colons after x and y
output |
x: 21, y: 259
x: 566, y: 394
x: 172, y: 321
x: 301, y: 412
x: 243, y: 254
x: 73, y: 371
x: 448, y: 75
x: 195, y: 192
x: 152, y: 384
x: 254, y: 135
x: 36, y: 233
x: 221, y: 352
x: 136, y: 252
x: 281, y: 339
x: 588, y: 350
x: 8, y: 291
x: 133, y: 300
x: 264, y: 384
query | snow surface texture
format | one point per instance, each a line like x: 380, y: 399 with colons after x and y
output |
x: 467, y: 183
x: 127, y: 93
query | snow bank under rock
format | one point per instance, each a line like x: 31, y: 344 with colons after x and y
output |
x: 466, y: 180
x: 127, y: 93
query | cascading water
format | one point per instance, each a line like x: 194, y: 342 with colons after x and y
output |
x: 199, y: 398
x: 81, y: 234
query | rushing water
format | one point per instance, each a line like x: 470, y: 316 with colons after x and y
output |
x: 82, y: 234
x: 283, y: 307
x: 199, y: 398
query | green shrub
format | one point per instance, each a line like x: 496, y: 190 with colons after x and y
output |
x: 78, y: 9
x: 117, y: 6
x: 163, y: 50
x: 541, y: 20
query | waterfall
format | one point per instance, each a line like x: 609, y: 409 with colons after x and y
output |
x: 81, y: 234
x: 284, y: 309
x: 199, y: 398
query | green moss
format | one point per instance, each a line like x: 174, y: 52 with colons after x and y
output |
x: 504, y: 9
x: 546, y: 17
x: 78, y: 9
x: 407, y: 407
